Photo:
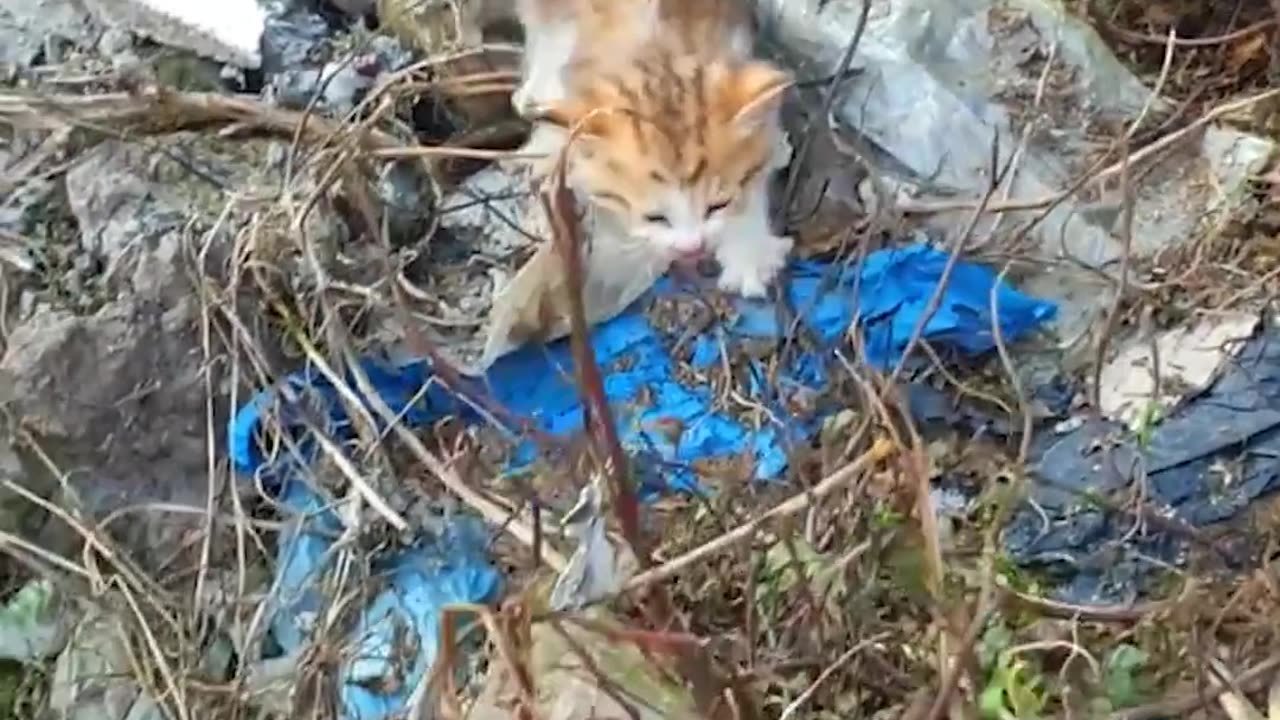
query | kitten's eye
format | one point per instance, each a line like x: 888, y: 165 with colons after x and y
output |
x: 657, y: 219
x: 717, y: 207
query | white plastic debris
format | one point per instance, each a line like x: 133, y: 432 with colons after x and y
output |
x: 535, y: 303
x: 228, y: 31
x: 1185, y: 361
x: 599, y: 566
x: 524, y: 298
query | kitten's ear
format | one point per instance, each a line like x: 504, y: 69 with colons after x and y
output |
x: 755, y: 93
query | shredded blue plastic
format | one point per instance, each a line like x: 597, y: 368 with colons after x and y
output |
x: 397, y: 632
x: 889, y: 294
x: 535, y: 382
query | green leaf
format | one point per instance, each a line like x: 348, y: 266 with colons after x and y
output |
x: 787, y: 565
x: 1014, y: 689
x: 995, y: 639
x: 1024, y: 694
x: 1120, y: 675
x: 991, y: 702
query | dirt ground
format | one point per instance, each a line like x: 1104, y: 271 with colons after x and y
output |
x: 177, y: 235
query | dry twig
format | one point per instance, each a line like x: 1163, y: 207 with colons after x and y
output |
x: 880, y: 451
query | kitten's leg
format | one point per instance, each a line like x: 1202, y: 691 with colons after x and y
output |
x: 545, y: 140
x: 541, y: 82
x: 549, y: 45
x: 750, y: 255
x: 548, y: 50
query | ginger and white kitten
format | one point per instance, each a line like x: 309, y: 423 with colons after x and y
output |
x: 561, y: 33
x: 678, y: 125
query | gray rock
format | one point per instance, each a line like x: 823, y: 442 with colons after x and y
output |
x: 91, y: 679
x: 27, y: 25
x: 108, y: 370
x: 117, y: 398
x: 115, y: 391
x: 115, y: 41
x: 120, y: 213
x: 23, y: 207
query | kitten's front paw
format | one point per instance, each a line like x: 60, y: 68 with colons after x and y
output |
x: 746, y: 284
x: 514, y: 165
x: 522, y: 99
x: 531, y: 170
x: 539, y: 154
x: 747, y: 268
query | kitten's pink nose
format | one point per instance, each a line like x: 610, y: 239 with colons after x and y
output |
x: 689, y: 249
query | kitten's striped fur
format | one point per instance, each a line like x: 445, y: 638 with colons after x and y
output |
x: 678, y: 124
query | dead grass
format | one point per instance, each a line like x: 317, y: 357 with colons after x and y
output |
x: 837, y: 595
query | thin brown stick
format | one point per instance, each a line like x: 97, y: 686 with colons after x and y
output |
x: 793, y: 708
x: 1006, y: 359
x: 1150, y: 39
x: 1113, y: 314
x: 951, y: 679
x: 953, y: 257
x: 1250, y: 680
x: 557, y: 203
x: 161, y: 111
x: 881, y: 450
x: 1090, y: 613
x: 1147, y: 152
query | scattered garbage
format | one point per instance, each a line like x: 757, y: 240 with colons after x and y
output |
x: 599, y: 565
x: 420, y: 583
x: 533, y: 304
x: 335, y: 87
x: 102, y: 362
x: 1147, y: 379
x: 891, y: 293
x: 937, y: 83
x: 1099, y: 484
x: 293, y: 37
x: 397, y: 633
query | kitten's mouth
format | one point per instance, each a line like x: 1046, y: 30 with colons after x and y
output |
x: 688, y: 258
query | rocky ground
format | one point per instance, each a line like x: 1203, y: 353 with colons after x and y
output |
x: 183, y: 224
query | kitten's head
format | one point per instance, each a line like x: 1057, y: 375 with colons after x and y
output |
x: 673, y: 146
